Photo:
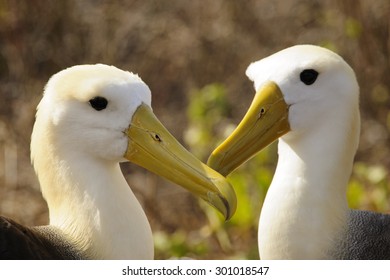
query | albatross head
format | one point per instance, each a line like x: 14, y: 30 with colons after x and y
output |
x: 298, y: 89
x: 103, y: 114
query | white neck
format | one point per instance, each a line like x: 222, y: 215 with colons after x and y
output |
x: 91, y: 203
x: 305, y: 208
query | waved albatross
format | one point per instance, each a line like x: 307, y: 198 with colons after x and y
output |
x: 308, y: 97
x: 92, y: 117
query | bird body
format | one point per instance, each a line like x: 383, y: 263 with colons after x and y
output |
x: 39, y: 243
x: 91, y: 118
x: 367, y: 237
x: 308, y: 97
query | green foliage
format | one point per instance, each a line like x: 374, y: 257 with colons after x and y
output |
x: 209, y: 124
x: 206, y: 111
x: 380, y: 94
x: 369, y: 188
x: 178, y: 245
x: 353, y: 28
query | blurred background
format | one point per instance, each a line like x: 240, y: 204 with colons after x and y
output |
x: 193, y: 56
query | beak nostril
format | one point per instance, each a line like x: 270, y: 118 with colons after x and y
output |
x: 262, y: 113
x: 157, y: 137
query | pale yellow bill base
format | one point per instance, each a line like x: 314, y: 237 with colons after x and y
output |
x: 265, y: 121
x: 154, y: 148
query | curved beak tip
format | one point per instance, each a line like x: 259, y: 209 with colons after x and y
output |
x: 225, y: 200
x: 230, y: 209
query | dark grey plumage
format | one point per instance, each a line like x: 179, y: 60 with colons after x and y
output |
x: 18, y: 242
x: 366, y: 238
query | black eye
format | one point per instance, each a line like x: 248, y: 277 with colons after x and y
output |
x: 98, y: 103
x: 308, y: 76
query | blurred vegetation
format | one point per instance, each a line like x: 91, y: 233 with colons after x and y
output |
x: 193, y: 55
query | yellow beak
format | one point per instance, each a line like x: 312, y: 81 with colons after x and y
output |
x: 154, y: 148
x: 265, y: 121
